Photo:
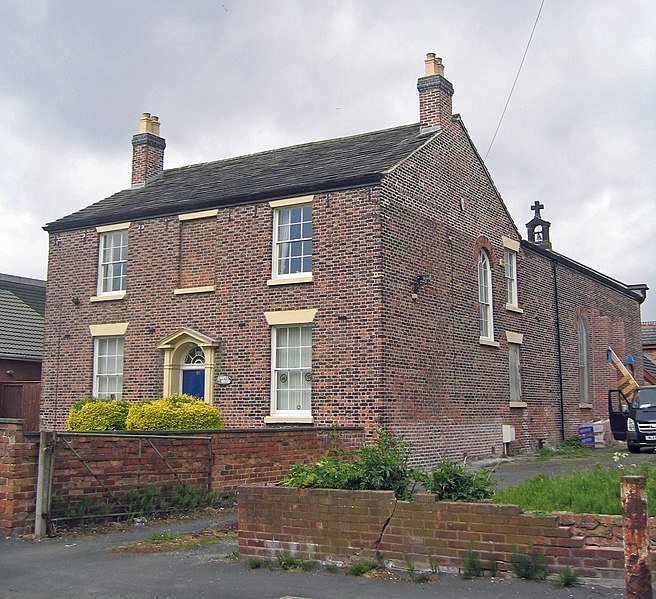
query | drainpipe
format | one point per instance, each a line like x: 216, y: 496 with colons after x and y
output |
x: 558, y: 345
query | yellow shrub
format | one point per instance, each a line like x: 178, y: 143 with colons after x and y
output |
x: 175, y: 413
x: 98, y: 415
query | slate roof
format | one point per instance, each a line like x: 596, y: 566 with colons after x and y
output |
x: 636, y: 292
x: 296, y: 170
x: 649, y: 365
x: 21, y: 329
x: 648, y: 333
x: 30, y: 291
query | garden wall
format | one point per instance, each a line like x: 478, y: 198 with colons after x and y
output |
x: 346, y: 526
x: 94, y: 468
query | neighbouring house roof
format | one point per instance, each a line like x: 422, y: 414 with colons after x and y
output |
x: 21, y: 328
x: 649, y: 366
x: 293, y: 171
x: 30, y: 291
x: 648, y: 333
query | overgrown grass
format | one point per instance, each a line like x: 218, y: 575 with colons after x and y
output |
x: 594, y: 491
x: 569, y: 447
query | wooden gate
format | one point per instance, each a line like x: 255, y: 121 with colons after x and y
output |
x: 20, y: 399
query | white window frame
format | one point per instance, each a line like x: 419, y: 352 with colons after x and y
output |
x: 106, y: 233
x: 510, y: 277
x: 278, y: 210
x: 485, y: 307
x: 116, y: 373
x: 305, y: 369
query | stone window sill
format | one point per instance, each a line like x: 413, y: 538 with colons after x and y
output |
x: 518, y: 404
x: 512, y: 308
x: 107, y: 298
x: 290, y: 281
x: 489, y: 342
x: 188, y: 290
x: 288, y: 420
x: 585, y: 406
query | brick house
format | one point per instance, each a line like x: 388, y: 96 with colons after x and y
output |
x: 373, y: 280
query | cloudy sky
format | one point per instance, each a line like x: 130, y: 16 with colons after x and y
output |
x: 230, y: 77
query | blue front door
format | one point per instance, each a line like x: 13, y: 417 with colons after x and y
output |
x: 193, y: 383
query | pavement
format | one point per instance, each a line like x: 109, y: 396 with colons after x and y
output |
x: 78, y: 566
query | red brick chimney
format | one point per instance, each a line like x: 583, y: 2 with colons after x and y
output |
x: 434, y: 96
x: 147, y: 151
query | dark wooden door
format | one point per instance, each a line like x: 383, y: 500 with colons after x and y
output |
x: 21, y: 400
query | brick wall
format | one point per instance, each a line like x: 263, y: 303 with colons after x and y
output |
x: 347, y: 342
x: 346, y: 526
x: 18, y: 469
x: 444, y: 391
x: 96, y: 468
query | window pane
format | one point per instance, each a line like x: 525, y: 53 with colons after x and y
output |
x: 292, y: 374
x: 293, y: 245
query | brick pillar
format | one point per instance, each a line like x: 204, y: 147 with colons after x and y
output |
x: 18, y: 471
x: 637, y: 562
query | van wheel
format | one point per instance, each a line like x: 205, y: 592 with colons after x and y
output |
x: 633, y: 448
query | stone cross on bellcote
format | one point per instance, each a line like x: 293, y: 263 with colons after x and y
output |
x: 536, y: 207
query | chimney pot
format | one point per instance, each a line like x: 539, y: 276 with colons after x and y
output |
x: 434, y: 65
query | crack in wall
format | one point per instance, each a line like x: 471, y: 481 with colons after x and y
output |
x: 385, y: 525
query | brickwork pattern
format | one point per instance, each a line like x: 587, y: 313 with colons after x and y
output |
x: 18, y: 470
x: 102, y: 468
x: 444, y: 391
x: 347, y: 338
x: 346, y: 526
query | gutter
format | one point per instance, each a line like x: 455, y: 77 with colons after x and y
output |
x: 554, y: 262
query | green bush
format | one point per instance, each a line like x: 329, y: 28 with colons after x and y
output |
x: 451, y: 482
x: 95, y: 414
x: 383, y: 466
x: 177, y: 412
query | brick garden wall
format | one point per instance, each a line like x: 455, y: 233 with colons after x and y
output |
x: 344, y: 527
x: 216, y: 460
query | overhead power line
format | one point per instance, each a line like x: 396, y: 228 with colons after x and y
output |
x: 512, y: 89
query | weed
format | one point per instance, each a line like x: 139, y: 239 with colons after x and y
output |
x: 493, y: 564
x: 530, y: 566
x: 412, y: 571
x: 433, y: 565
x: 571, y: 446
x: 332, y: 568
x: 287, y: 562
x: 260, y: 564
x: 162, y: 538
x: 451, y: 482
x: 567, y: 578
x: 471, y: 565
x: 362, y: 567
x: 233, y: 556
